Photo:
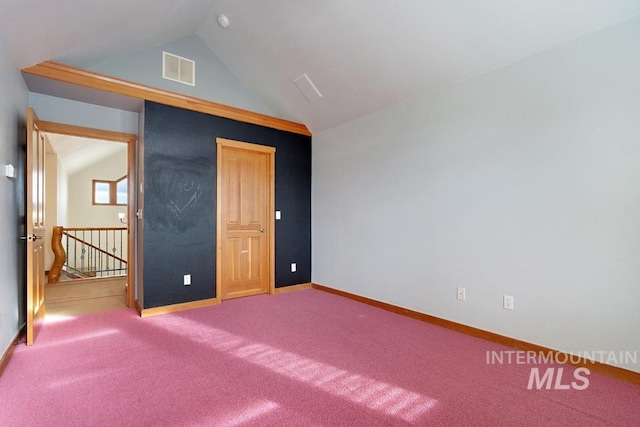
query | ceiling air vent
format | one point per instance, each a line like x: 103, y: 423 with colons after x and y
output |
x: 178, y: 69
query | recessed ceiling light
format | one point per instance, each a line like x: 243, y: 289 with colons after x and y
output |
x: 223, y: 21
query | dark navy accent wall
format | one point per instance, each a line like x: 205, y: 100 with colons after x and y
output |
x: 180, y: 202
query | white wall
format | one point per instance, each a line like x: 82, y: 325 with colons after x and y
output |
x: 13, y: 105
x: 55, y: 200
x: 214, y: 81
x: 51, y: 202
x: 525, y: 181
x: 63, y: 198
x: 80, y: 209
x: 82, y: 213
x: 70, y: 112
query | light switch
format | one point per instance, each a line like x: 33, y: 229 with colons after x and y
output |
x: 9, y: 171
x: 278, y: 216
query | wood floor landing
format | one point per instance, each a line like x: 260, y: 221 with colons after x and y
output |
x: 85, y: 296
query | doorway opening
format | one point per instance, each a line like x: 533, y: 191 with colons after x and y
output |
x: 89, y: 245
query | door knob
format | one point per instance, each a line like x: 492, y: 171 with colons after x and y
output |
x: 262, y: 230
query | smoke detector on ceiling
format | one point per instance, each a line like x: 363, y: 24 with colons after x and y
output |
x: 223, y: 21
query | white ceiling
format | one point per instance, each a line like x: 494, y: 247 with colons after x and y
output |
x: 363, y: 55
x: 76, y: 153
x: 85, y: 31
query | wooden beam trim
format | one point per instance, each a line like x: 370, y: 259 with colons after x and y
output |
x: 85, y: 78
x: 173, y: 308
x: 9, y: 351
x: 601, y: 368
x: 132, y: 189
x: 272, y: 221
x: 72, y: 130
x: 292, y: 288
x: 138, y: 307
x: 245, y: 145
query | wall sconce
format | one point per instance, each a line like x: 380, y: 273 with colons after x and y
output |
x: 121, y: 217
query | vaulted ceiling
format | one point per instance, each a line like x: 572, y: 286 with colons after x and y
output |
x: 77, y: 153
x: 363, y: 55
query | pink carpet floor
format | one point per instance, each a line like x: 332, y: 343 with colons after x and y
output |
x: 305, y: 358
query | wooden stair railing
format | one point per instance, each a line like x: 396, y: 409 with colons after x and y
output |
x: 59, y: 253
x: 69, y: 236
x: 61, y: 256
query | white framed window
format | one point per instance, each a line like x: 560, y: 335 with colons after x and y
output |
x: 110, y: 192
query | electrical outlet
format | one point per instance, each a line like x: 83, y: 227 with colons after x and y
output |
x: 462, y: 294
x: 294, y: 267
x: 507, y: 302
x: 187, y: 279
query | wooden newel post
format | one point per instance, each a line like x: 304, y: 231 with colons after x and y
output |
x: 60, y: 255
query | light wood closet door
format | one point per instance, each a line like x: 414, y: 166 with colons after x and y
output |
x: 245, y: 175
